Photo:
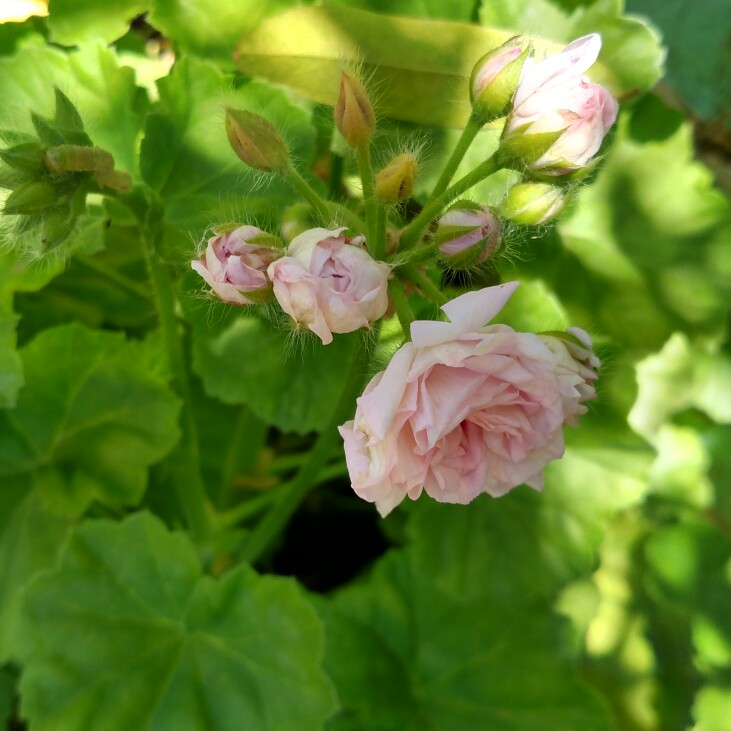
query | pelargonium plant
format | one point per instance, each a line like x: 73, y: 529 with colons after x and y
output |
x: 319, y: 297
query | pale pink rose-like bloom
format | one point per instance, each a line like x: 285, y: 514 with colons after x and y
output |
x: 554, y: 95
x: 460, y: 410
x: 236, y: 269
x: 329, y: 284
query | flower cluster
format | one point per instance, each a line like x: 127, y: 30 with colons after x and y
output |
x: 464, y: 409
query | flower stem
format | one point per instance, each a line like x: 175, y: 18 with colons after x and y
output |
x: 376, y: 223
x: 293, y: 177
x: 410, y: 235
x: 425, y: 284
x: 401, y: 304
x: 469, y: 133
x: 270, y: 527
x: 185, y: 460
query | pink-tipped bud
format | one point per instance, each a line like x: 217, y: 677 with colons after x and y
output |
x: 354, y: 116
x: 533, y: 204
x: 235, y: 263
x: 495, y: 78
x: 256, y: 141
x: 467, y: 235
x: 396, y: 181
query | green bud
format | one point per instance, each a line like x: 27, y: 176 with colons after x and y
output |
x: 26, y: 157
x: 68, y: 121
x: 533, y: 204
x: 46, y: 130
x: 495, y: 78
x: 467, y: 235
x: 256, y: 141
x: 31, y: 198
x: 354, y: 116
x: 396, y: 181
x: 58, y: 227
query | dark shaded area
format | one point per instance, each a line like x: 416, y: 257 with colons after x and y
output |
x: 332, y: 537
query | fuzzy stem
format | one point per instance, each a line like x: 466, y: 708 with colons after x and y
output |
x: 401, y: 304
x: 410, y: 235
x: 425, y: 284
x: 309, y: 193
x: 376, y: 224
x: 469, y: 133
x: 271, y: 526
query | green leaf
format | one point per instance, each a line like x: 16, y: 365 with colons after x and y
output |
x: 211, y: 30
x: 630, y: 46
x: 185, y: 154
x: 419, y: 67
x: 436, y: 661
x: 445, y: 9
x: 90, y: 426
x: 11, y: 370
x: 697, y: 65
x: 712, y: 708
x: 110, y: 104
x: 248, y: 361
x: 127, y: 634
x: 74, y: 21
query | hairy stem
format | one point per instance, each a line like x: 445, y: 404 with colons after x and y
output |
x: 469, y: 133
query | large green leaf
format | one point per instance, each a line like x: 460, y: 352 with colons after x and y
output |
x: 127, y: 634
x: 418, y: 68
x: 436, y: 661
x: 75, y: 21
x: 631, y: 47
x: 90, y: 426
x: 186, y: 157
x: 446, y: 9
x: 245, y: 360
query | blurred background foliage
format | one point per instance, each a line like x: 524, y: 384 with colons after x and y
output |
x: 602, y: 603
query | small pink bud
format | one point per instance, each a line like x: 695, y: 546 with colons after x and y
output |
x: 559, y: 117
x: 354, y: 116
x: 495, y: 78
x: 467, y: 235
x: 235, y: 264
x: 533, y: 204
x: 256, y: 141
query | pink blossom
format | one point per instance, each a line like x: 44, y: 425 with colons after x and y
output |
x: 554, y: 95
x: 460, y: 410
x: 234, y: 265
x: 329, y: 284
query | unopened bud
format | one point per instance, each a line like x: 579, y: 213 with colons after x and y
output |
x: 31, y: 198
x: 26, y: 157
x: 58, y: 227
x: 495, y: 78
x: 396, y: 181
x: 256, y: 141
x: 533, y: 204
x: 467, y: 235
x: 354, y: 116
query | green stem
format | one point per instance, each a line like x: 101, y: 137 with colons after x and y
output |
x: 186, y: 458
x: 335, y: 179
x: 376, y: 228
x: 403, y: 309
x: 309, y: 193
x: 425, y: 285
x: 410, y: 235
x: 469, y: 133
x: 270, y: 527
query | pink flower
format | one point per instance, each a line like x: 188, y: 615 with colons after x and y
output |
x: 234, y: 265
x: 554, y: 95
x: 329, y: 284
x: 460, y: 410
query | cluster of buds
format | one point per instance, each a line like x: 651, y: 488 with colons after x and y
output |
x: 49, y: 175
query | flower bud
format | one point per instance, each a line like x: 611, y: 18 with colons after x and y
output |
x: 559, y: 118
x: 495, y: 78
x: 576, y: 369
x: 256, y: 141
x: 533, y: 204
x: 396, y: 181
x: 467, y: 235
x: 235, y: 263
x: 31, y: 198
x: 354, y: 116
